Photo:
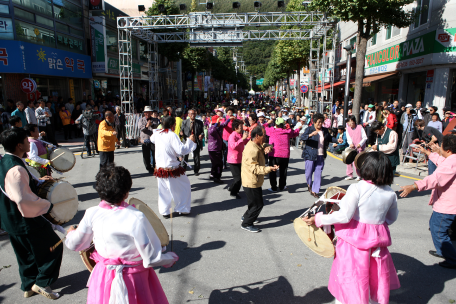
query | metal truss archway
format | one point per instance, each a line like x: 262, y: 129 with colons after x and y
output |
x: 207, y: 29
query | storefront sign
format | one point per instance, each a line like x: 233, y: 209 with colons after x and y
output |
x: 71, y: 85
x: 436, y: 47
x: 96, y: 84
x: 113, y: 67
x: 304, y: 89
x: 260, y: 81
x: 33, y: 96
x: 430, y: 76
x: 99, y: 46
x: 24, y: 57
x: 28, y: 85
x: 96, y: 5
x: 6, y: 29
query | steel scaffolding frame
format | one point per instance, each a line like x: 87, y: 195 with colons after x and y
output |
x: 153, y: 74
x: 126, y: 72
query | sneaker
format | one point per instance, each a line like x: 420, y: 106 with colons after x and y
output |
x: 211, y: 177
x: 447, y: 265
x: 47, y: 292
x: 3, y: 232
x: 256, y: 221
x: 251, y: 229
x: 166, y: 216
x: 434, y: 253
x: 349, y: 178
x: 271, y: 190
x: 28, y: 294
x: 197, y: 174
x: 358, y: 178
x: 184, y: 213
x: 218, y: 181
x: 284, y: 189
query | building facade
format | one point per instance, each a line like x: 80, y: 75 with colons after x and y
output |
x: 411, y: 64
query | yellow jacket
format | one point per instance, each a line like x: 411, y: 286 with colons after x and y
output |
x: 253, y: 165
x: 106, y: 140
x: 178, y: 126
x: 66, y: 117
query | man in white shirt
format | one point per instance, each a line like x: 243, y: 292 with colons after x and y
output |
x: 70, y: 105
x: 173, y: 184
x: 418, y: 110
x: 30, y: 113
x: 367, y: 124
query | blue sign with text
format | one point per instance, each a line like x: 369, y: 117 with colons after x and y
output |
x: 24, y: 57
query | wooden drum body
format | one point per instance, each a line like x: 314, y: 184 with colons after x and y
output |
x: 64, y: 198
x: 62, y: 159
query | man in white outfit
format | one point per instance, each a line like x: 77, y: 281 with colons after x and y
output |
x: 173, y: 184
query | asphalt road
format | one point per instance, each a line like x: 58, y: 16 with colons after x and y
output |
x: 220, y: 263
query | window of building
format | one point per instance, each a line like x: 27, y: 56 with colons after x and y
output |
x: 373, y: 40
x: 134, y: 49
x: 24, y: 14
x: 76, y: 32
x: 6, y: 29
x: 4, y: 9
x: 143, y: 51
x: 35, y: 34
x: 353, y: 42
x: 69, y: 43
x: 111, y: 39
x: 40, y: 6
x: 67, y: 12
x: 422, y: 12
x: 392, y: 31
x: 44, y: 21
x: 62, y: 27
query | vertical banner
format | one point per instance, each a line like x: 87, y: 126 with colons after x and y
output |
x: 71, y: 86
x: 99, y: 47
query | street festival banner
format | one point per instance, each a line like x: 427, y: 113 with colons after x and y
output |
x: 436, y: 47
x: 99, y: 46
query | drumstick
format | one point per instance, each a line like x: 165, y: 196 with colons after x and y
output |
x: 57, y: 157
x: 59, y: 242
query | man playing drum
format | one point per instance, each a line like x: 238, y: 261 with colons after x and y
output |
x: 125, y: 254
x: 20, y: 211
x: 38, y: 157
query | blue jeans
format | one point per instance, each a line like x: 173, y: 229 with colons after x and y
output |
x: 431, y: 167
x: 439, y: 224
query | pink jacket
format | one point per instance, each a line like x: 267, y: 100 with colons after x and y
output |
x: 443, y: 184
x: 235, y: 147
x: 227, y: 130
x: 280, y: 139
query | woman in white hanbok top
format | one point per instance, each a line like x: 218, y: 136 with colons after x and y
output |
x: 363, y: 271
x: 126, y: 245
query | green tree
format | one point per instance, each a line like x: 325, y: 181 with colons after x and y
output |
x: 370, y: 16
x: 195, y: 60
x: 193, y: 6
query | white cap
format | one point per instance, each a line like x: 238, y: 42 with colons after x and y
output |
x: 147, y: 109
x: 261, y: 114
x: 409, y: 106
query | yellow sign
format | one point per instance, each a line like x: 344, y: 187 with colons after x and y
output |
x: 36, y: 31
x: 71, y: 84
x: 305, y: 70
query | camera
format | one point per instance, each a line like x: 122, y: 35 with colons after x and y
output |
x: 89, y: 115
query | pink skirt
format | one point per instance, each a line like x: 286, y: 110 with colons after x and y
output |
x: 142, y: 283
x: 356, y: 276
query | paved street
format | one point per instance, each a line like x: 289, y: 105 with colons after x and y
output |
x: 220, y: 263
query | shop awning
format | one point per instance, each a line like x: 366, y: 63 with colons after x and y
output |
x: 328, y: 86
x: 369, y: 79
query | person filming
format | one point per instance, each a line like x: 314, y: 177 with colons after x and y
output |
x: 89, y: 127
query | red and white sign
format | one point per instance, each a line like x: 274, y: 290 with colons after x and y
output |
x: 33, y: 96
x: 443, y: 37
x: 28, y: 85
x: 430, y: 76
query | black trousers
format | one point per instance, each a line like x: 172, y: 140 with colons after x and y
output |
x: 37, y: 265
x: 50, y: 135
x: 255, y: 205
x: 283, y: 169
x: 196, y: 160
x: 370, y: 136
x: 121, y: 131
x: 87, y: 139
x: 67, y: 131
x: 237, y: 182
x: 146, y: 149
x: 216, y: 163
x: 106, y: 158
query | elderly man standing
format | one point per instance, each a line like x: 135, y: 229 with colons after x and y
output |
x: 253, y: 170
x: 147, y: 124
x: 107, y: 139
x: 195, y: 127
x: 30, y: 113
x: 119, y: 118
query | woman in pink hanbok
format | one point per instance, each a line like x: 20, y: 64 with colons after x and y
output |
x: 363, y: 271
x: 126, y: 245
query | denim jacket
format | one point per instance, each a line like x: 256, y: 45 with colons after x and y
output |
x: 310, y: 152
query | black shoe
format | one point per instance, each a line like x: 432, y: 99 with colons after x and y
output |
x: 251, y: 229
x: 218, y: 181
x: 151, y: 171
x: 167, y: 216
x: 237, y: 196
x: 445, y: 264
x: 197, y: 174
x: 434, y: 253
x: 256, y: 221
x: 184, y: 213
x: 211, y: 177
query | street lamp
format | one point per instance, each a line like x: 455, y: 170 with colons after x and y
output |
x: 348, y: 48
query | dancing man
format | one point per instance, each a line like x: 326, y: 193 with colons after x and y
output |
x: 356, y: 139
x: 173, y: 184
x: 31, y: 234
x: 386, y: 143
